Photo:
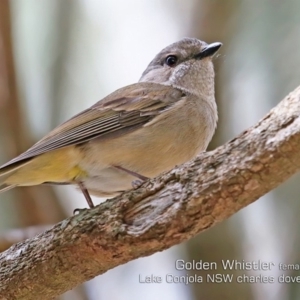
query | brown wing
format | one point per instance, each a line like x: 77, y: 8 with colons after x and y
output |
x: 128, y: 108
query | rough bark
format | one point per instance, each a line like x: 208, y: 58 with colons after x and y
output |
x: 13, y: 236
x: 163, y: 212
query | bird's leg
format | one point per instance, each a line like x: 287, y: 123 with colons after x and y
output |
x: 135, y: 183
x: 137, y: 175
x: 86, y: 195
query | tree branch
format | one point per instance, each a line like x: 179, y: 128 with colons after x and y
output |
x: 13, y: 236
x: 163, y: 212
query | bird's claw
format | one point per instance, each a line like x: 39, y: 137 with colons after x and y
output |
x: 77, y: 211
x: 137, y: 183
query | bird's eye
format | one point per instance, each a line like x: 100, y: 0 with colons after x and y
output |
x: 171, y: 60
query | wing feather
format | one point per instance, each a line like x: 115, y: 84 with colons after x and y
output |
x: 127, y: 108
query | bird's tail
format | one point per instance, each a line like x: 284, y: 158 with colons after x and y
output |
x: 54, y: 166
x: 6, y: 172
x: 6, y: 187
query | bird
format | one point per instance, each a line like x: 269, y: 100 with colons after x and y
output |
x: 133, y: 134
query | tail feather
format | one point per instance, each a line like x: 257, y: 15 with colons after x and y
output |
x: 5, y: 187
x: 7, y: 170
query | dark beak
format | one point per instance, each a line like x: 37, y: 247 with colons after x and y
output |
x: 208, y: 50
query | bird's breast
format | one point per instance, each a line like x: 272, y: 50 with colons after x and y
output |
x: 170, y: 139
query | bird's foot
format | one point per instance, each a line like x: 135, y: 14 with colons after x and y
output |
x: 77, y: 211
x: 137, y: 183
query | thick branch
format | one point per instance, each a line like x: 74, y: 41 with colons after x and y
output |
x: 10, y: 237
x: 163, y: 212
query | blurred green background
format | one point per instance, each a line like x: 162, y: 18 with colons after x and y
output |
x: 58, y: 57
